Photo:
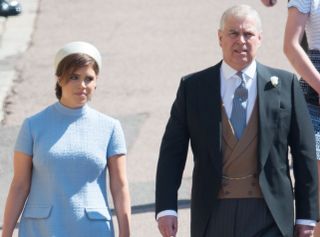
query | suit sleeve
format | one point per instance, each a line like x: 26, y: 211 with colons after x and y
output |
x: 173, y: 153
x: 302, y: 144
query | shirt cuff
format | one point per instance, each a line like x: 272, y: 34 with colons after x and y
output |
x: 306, y: 222
x: 167, y: 213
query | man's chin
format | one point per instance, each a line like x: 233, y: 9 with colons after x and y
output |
x: 244, y: 61
x: 240, y: 64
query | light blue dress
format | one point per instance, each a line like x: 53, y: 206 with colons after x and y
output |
x: 70, y: 148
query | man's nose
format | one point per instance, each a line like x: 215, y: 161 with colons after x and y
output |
x: 242, y: 38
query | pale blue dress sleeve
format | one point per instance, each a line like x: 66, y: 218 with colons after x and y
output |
x: 117, y: 144
x: 303, y: 6
x: 24, y: 142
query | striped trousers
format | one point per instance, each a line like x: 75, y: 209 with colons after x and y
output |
x: 245, y: 217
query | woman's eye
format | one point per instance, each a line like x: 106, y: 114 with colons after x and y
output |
x: 73, y: 77
x: 89, y: 79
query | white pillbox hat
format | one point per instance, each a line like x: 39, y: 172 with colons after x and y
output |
x: 78, y: 47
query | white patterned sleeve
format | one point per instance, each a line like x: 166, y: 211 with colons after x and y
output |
x: 117, y: 144
x: 303, y: 6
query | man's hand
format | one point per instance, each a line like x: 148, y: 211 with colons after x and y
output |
x: 168, y: 226
x: 269, y: 3
x: 303, y: 231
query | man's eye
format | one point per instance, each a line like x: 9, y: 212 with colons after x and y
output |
x: 248, y: 35
x: 73, y: 77
x: 233, y: 34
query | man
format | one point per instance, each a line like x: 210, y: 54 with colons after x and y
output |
x: 240, y: 117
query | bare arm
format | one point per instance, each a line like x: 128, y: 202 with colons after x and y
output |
x: 120, y: 193
x: 298, y: 58
x: 18, y: 193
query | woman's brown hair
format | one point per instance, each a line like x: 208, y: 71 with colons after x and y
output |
x: 69, y: 65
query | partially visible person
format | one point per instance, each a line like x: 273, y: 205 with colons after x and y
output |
x: 62, y: 155
x: 304, y: 16
x: 240, y: 117
x: 303, y: 42
x: 9, y: 8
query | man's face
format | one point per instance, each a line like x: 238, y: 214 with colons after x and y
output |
x: 239, y: 40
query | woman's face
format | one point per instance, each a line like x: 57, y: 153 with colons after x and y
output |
x: 78, y: 88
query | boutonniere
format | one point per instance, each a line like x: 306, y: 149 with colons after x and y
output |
x: 274, y: 81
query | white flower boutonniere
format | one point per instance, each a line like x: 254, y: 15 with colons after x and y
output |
x: 274, y: 81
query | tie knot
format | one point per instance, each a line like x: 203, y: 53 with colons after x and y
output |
x: 241, y: 76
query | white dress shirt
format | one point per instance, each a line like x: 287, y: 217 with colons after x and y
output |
x: 230, y: 81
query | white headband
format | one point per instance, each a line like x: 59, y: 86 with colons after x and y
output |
x: 78, y: 47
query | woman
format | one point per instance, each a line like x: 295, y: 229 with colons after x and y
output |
x: 61, y: 156
x: 304, y: 15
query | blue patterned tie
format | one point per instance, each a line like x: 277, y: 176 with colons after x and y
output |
x: 239, y: 107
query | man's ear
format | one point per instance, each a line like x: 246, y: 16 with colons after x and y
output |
x: 260, y: 39
x: 220, y: 36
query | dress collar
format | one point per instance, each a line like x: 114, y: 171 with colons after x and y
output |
x: 71, y: 112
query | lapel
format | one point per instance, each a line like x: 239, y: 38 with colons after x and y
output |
x: 210, y: 113
x: 269, y: 106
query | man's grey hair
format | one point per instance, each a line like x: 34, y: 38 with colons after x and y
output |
x: 241, y: 11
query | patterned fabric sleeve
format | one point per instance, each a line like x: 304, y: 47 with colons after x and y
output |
x: 117, y: 144
x: 24, y: 142
x: 304, y: 6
